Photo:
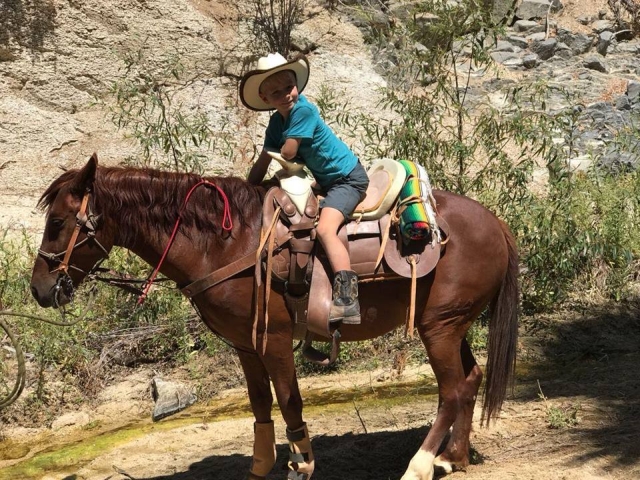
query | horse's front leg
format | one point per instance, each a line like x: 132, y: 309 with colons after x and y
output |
x: 264, y: 444
x: 279, y: 361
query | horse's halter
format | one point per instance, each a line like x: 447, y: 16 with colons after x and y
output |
x: 87, y: 221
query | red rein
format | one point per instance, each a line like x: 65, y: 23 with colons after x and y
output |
x: 227, y: 224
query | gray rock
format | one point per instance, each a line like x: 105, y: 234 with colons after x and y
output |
x: 593, y: 62
x: 530, y: 60
x: 502, y: 9
x: 623, y: 103
x: 628, y: 47
x: 528, y: 26
x: 518, y: 41
x: 581, y: 163
x: 170, y: 398
x: 530, y: 9
x: 515, y: 62
x: 501, y: 57
x: 536, y: 37
x: 579, y: 43
x: 604, y: 41
x: 617, y: 162
x: 545, y: 48
x: 420, y: 48
x: 504, y: 46
x: 633, y: 92
x: 563, y: 54
x: 602, y: 25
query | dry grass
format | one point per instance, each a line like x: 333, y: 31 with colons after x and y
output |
x: 613, y: 89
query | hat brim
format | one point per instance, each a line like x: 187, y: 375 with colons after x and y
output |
x: 250, y: 84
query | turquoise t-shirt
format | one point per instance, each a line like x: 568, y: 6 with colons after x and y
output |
x: 327, y: 157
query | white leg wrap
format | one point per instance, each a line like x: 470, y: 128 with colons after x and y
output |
x: 301, y: 460
x: 420, y: 467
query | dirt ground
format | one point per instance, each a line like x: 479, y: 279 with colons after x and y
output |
x: 578, y: 373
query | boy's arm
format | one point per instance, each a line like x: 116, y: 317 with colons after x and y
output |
x: 290, y: 148
x: 259, y: 169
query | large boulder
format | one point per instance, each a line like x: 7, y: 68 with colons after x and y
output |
x: 531, y: 9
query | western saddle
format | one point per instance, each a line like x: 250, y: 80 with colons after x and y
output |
x: 298, y: 266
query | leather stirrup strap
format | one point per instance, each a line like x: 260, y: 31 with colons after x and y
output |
x: 268, y: 234
x: 267, y: 287
x: 385, y: 236
x: 412, y: 303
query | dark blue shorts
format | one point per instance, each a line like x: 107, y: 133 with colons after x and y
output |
x: 347, y: 192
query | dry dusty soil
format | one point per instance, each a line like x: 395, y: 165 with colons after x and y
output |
x: 578, y: 372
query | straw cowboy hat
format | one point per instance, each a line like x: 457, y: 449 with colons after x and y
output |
x: 267, y: 66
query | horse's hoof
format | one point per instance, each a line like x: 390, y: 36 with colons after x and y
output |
x: 442, y: 467
x: 420, y: 467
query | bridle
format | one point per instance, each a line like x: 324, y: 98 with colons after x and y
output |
x: 87, y: 222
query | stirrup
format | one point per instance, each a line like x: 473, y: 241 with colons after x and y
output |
x: 318, y: 357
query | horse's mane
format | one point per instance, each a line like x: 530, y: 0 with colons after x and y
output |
x: 137, y: 196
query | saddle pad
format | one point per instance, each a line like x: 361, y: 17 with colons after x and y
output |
x: 386, y: 178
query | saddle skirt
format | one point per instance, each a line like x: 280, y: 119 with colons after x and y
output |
x: 374, y: 242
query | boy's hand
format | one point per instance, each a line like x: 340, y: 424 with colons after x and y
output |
x: 259, y: 169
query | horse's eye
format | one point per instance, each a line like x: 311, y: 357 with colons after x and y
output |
x: 56, y: 223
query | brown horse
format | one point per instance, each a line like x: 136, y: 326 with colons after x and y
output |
x: 92, y: 209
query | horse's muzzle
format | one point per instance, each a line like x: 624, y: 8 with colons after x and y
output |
x: 54, y: 295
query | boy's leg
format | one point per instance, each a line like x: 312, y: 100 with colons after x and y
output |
x: 327, y: 230
x: 345, y: 304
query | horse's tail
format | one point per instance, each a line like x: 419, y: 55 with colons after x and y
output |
x: 503, y: 335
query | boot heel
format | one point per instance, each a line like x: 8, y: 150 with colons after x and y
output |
x: 352, y: 320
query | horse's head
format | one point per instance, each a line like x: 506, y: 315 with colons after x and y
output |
x: 74, y: 242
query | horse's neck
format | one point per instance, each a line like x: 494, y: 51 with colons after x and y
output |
x: 148, y: 235
x: 187, y: 257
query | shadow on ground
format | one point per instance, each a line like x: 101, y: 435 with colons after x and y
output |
x: 590, y: 356
x: 380, y: 455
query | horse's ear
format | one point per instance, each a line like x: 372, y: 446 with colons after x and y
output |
x: 86, y: 176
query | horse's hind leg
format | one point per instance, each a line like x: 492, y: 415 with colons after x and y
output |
x: 456, y: 397
x: 259, y: 388
x: 456, y: 453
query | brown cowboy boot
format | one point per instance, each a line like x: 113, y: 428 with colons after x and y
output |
x: 345, y: 306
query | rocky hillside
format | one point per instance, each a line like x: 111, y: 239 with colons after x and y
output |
x: 50, y: 117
